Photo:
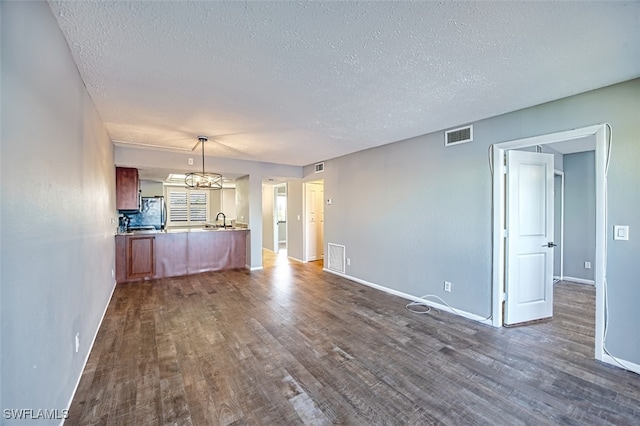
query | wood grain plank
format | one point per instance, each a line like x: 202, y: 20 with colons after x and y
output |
x: 292, y: 344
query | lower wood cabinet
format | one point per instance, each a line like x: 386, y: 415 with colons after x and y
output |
x: 135, y: 257
x: 175, y: 254
x: 141, y: 257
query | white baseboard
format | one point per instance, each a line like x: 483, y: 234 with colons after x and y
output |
x: 297, y: 260
x: 627, y: 365
x: 412, y: 298
x: 579, y: 280
x: 86, y: 358
x: 253, y: 268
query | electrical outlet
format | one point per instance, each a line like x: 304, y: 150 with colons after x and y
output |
x: 447, y: 286
x: 587, y: 265
x: 77, y: 342
x: 191, y: 161
x: 348, y: 261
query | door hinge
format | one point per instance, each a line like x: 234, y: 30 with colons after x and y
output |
x: 505, y: 233
x: 504, y: 296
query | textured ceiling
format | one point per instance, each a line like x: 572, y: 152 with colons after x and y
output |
x: 300, y: 82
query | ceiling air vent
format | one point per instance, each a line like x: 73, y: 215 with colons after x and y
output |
x: 319, y: 167
x: 459, y: 135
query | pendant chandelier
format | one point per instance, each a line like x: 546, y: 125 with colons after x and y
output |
x: 203, y: 180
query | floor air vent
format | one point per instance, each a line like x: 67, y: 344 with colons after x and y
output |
x: 336, y: 258
x: 459, y: 135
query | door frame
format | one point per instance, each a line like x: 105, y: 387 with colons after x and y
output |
x: 600, y: 133
x: 276, y: 225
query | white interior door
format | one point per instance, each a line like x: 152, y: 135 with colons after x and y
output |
x: 315, y: 220
x: 529, y: 242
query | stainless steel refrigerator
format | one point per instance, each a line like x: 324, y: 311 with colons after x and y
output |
x: 152, y: 214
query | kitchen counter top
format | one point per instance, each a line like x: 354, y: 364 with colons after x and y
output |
x: 181, y: 230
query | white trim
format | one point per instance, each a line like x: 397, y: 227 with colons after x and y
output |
x: 579, y: 280
x: 86, y: 359
x: 407, y: 296
x: 600, y: 133
x: 615, y: 361
x: 253, y: 268
x: 295, y: 259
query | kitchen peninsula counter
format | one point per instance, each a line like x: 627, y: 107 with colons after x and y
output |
x: 177, y: 252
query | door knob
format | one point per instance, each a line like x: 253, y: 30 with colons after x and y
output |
x: 550, y: 244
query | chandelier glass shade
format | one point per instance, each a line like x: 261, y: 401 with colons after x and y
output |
x: 203, y: 180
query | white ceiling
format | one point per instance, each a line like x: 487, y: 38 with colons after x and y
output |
x: 300, y: 82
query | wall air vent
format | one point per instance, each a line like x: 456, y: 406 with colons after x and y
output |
x: 336, y: 258
x: 458, y: 136
x: 319, y: 167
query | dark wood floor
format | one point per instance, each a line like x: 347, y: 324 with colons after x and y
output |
x: 294, y: 345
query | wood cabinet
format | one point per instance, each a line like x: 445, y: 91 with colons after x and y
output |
x: 127, y: 189
x: 135, y: 257
x: 141, y: 257
x: 174, y: 254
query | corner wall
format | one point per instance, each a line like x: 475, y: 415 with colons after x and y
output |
x: 58, y: 202
x: 579, y: 215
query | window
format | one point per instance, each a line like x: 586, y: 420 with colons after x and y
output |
x: 187, y: 207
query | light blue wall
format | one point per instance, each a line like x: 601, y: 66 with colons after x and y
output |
x: 295, y: 237
x: 57, y: 204
x: 414, y: 213
x: 267, y: 218
x: 557, y: 221
x: 580, y: 215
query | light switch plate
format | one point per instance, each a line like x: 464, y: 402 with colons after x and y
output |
x: 621, y: 232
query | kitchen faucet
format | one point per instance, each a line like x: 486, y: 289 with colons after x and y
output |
x: 224, y: 219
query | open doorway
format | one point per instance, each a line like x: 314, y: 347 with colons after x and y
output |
x: 314, y: 220
x: 596, y: 135
x: 280, y: 218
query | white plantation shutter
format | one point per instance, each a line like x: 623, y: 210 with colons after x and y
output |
x: 197, y: 206
x: 178, y: 209
x: 187, y: 207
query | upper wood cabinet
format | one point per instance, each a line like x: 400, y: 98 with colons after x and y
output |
x: 127, y: 189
